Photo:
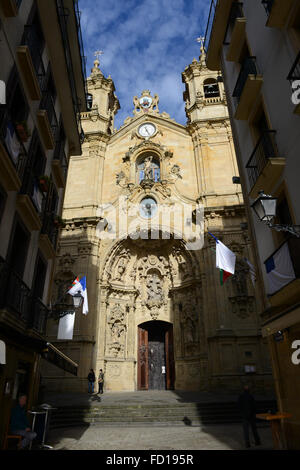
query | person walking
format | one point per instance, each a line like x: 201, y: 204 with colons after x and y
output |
x: 19, y: 424
x: 247, y: 407
x: 100, y: 381
x: 91, y: 381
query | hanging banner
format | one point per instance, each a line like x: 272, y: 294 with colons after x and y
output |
x: 66, y: 327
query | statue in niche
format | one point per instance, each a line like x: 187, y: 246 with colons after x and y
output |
x: 189, y: 331
x: 148, y: 171
x: 117, y: 330
x: 121, y: 267
x: 240, y: 279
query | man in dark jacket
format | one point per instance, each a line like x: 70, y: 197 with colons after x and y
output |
x: 19, y: 424
x: 91, y: 380
x: 247, y: 408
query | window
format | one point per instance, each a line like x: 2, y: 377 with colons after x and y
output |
x: 148, y: 168
x: 211, y: 88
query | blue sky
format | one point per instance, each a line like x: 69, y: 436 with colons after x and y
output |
x: 146, y: 44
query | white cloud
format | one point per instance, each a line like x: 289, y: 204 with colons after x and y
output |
x: 147, y: 44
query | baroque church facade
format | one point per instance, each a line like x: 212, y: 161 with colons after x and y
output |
x: 158, y: 316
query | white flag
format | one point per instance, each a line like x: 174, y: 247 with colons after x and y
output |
x: 225, y: 258
x: 252, y: 271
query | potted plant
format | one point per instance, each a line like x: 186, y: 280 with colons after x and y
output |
x: 23, y: 131
x: 44, y: 182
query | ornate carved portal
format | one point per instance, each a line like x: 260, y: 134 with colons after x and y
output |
x: 145, y: 280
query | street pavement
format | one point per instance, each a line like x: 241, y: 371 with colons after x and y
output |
x: 220, y: 437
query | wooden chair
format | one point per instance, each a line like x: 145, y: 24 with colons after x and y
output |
x: 8, y: 437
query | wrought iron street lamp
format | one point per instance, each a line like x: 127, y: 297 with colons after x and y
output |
x: 61, y: 309
x: 265, y: 208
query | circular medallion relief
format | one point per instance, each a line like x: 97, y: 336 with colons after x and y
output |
x: 148, y: 208
x: 147, y: 130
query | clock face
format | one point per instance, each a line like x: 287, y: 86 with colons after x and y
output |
x: 147, y: 130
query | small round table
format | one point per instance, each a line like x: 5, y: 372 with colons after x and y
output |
x: 274, y: 420
x: 35, y: 413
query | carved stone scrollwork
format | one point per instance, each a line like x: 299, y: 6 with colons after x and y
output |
x: 117, y: 328
x: 242, y: 305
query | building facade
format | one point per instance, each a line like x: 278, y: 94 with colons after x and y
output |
x: 256, y: 45
x: 42, y: 86
x: 158, y: 317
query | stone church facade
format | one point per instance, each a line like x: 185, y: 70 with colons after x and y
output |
x: 158, y: 316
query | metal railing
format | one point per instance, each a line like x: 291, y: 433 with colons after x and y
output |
x: 235, y: 12
x: 268, y: 4
x: 48, y: 105
x: 248, y: 68
x: 63, y: 15
x: 49, y: 228
x: 265, y: 148
x: 30, y: 186
x: 59, y: 154
x: 11, y: 141
x: 30, y: 39
x: 18, y: 298
x: 80, y: 40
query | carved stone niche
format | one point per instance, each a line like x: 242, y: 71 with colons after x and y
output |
x: 116, y: 324
x: 190, y: 328
x: 155, y: 296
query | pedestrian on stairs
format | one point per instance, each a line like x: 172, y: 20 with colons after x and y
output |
x: 91, y: 380
x: 247, y: 408
x: 100, y: 381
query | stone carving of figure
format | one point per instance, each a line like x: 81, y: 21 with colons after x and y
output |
x: 154, y: 288
x: 148, y: 172
x: 189, y: 331
x: 121, y: 269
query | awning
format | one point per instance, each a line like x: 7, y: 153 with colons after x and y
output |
x: 2, y: 353
x: 56, y: 357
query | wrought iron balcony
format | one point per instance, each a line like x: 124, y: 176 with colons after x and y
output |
x: 60, y: 164
x: 30, y: 187
x: 211, y: 16
x: 49, y: 228
x: 47, y: 120
x: 30, y: 39
x: 16, y: 297
x: 264, y: 166
x: 248, y: 68
x: 12, y: 143
x: 235, y: 12
x: 80, y: 40
x: 63, y: 15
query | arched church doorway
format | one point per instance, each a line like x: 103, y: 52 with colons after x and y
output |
x: 156, y: 369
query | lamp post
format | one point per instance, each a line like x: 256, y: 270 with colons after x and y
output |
x: 61, y: 309
x: 265, y: 209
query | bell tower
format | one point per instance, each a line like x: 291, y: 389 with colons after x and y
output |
x: 103, y: 103
x: 204, y: 91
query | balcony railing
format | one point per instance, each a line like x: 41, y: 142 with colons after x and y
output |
x: 30, y: 186
x: 63, y: 15
x: 16, y: 297
x: 60, y: 155
x: 30, y: 39
x: 235, y: 12
x: 265, y: 149
x: 49, y: 228
x: 248, y: 68
x: 12, y: 143
x: 48, y: 105
x: 268, y: 4
x: 80, y: 40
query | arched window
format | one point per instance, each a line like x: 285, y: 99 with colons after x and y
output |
x: 148, y: 168
x: 211, y: 88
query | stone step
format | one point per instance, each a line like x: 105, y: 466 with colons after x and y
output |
x: 181, y: 414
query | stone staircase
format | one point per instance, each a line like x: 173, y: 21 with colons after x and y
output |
x: 181, y: 414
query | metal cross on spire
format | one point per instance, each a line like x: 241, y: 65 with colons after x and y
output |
x: 98, y: 54
x: 201, y: 40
